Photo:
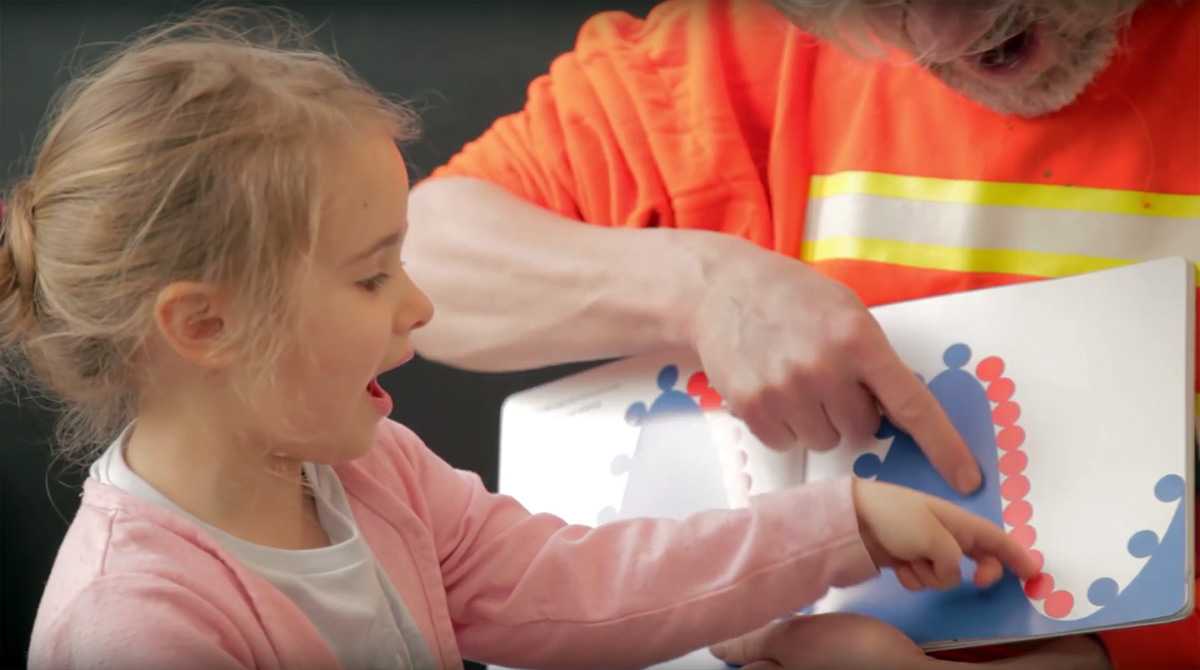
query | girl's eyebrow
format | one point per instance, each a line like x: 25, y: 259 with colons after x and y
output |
x: 390, y: 240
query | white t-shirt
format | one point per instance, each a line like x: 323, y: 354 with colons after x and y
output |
x: 341, y: 588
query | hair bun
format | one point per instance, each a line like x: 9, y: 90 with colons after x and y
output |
x: 17, y: 268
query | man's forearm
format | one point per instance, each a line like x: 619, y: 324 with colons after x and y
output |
x: 517, y: 286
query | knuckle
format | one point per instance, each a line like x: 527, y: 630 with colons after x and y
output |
x: 820, y: 374
x: 858, y: 429
x: 810, y: 378
x: 822, y: 441
x: 792, y: 372
x: 850, y: 330
x: 771, y: 439
x: 859, y: 435
x: 907, y: 410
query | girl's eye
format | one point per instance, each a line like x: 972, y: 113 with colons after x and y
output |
x: 374, y: 283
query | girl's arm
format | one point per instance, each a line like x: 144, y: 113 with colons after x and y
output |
x: 139, y: 621
x: 531, y: 591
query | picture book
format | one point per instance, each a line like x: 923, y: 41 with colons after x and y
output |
x: 1075, y: 395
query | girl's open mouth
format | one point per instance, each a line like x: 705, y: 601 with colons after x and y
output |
x: 380, y: 400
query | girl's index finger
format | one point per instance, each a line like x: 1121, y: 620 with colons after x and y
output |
x: 980, y: 538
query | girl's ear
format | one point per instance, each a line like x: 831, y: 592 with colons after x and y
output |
x: 191, y: 318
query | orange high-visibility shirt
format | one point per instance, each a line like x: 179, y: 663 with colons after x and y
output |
x: 722, y: 116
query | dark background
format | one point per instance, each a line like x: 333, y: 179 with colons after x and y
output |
x: 463, y: 63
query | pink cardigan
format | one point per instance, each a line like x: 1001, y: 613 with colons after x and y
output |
x: 137, y: 586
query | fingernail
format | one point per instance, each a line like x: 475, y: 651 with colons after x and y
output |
x: 719, y: 650
x: 969, y: 480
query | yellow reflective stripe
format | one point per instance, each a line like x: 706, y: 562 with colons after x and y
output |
x: 1054, y: 231
x: 955, y: 259
x: 1005, y: 194
x: 976, y: 239
x: 958, y: 259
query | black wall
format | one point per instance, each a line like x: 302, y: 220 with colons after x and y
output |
x: 464, y: 64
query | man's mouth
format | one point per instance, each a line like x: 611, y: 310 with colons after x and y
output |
x: 1008, y: 57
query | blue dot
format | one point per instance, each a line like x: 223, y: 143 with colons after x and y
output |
x: 957, y: 355
x: 867, y: 465
x: 635, y: 413
x: 620, y: 465
x: 879, y: 426
x: 1169, y: 488
x: 1143, y: 543
x: 667, y: 377
x: 886, y: 429
x: 1103, y: 592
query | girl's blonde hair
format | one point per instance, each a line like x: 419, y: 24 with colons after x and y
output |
x: 193, y: 153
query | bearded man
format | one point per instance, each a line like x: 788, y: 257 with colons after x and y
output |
x: 755, y: 176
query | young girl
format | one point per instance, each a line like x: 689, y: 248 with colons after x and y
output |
x: 204, y: 265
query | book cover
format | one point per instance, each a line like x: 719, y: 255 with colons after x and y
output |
x: 1075, y: 395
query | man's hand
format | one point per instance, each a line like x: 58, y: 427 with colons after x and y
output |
x: 824, y: 642
x: 801, y: 361
x: 855, y: 642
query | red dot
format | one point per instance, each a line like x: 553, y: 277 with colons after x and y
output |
x: 1001, y: 389
x: 1010, y: 437
x: 710, y: 399
x: 1039, y: 586
x: 1013, y: 463
x: 1023, y: 535
x: 1059, y: 604
x: 697, y: 384
x: 1018, y: 513
x: 990, y: 368
x: 1006, y: 413
x: 1037, y: 557
x: 1015, y: 487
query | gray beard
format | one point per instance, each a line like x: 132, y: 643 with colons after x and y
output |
x: 1051, y: 91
